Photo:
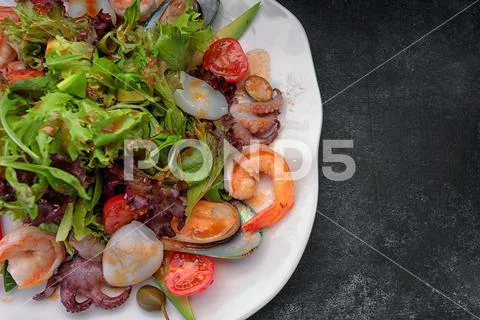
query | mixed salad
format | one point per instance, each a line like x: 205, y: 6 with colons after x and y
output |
x: 133, y: 137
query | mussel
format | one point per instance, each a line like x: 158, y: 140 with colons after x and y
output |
x: 209, y: 10
x: 237, y: 246
x: 209, y: 222
x: 170, y: 10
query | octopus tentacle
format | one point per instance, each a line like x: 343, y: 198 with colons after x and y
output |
x: 242, y: 137
x: 265, y: 107
x: 106, y: 302
x: 271, y: 135
x: 50, y: 289
x: 239, y: 136
x: 70, y: 302
x: 83, y: 277
x: 253, y: 123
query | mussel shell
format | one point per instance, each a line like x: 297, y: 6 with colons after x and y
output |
x: 241, y: 245
x: 208, y: 9
x: 157, y: 15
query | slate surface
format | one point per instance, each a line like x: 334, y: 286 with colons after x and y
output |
x: 415, y: 195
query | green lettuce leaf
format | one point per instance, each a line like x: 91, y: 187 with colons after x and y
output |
x: 85, y: 222
x: 62, y: 124
x: 173, y: 47
x: 66, y: 224
x: 176, y: 42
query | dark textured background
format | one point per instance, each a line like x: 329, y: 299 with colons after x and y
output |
x: 416, y: 193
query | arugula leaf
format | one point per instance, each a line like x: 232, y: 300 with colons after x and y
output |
x: 131, y: 16
x: 128, y: 81
x: 8, y: 282
x: 61, y: 181
x: 65, y: 224
x: 7, y: 105
x: 23, y: 193
x: 175, y: 121
x: 48, y: 227
x: 165, y: 91
x: 85, y: 222
x: 96, y: 191
x: 117, y: 126
x: 197, y: 192
x: 103, y: 71
x: 164, y: 141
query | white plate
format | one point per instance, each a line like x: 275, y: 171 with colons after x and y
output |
x: 242, y: 287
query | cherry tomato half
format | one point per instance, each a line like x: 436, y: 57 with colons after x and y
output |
x: 7, y: 12
x: 17, y: 75
x: 226, y: 58
x: 116, y: 214
x: 188, y: 274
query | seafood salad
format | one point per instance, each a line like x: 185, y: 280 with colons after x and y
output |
x: 134, y: 141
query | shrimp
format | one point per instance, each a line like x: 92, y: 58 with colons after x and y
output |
x: 7, y: 53
x: 8, y: 13
x: 33, y: 256
x: 146, y: 7
x: 245, y: 175
x: 259, y: 63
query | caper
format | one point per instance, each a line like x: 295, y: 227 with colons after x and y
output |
x: 150, y: 298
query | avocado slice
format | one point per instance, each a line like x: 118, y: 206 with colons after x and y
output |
x: 75, y: 85
x: 238, y: 27
x: 130, y: 96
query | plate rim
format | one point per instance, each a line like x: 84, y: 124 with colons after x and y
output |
x: 293, y: 267
x: 274, y: 289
